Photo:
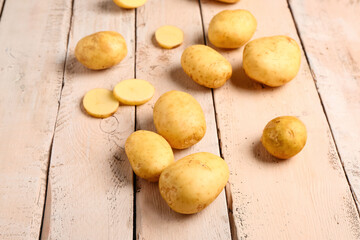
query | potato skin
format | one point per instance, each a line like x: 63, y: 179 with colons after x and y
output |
x: 206, y: 66
x: 273, y: 61
x: 231, y: 28
x: 179, y: 118
x: 149, y: 154
x: 284, y: 137
x: 101, y: 50
x: 193, y: 182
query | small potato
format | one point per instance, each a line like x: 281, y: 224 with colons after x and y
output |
x: 231, y: 28
x: 178, y: 117
x: 129, y: 4
x: 206, y: 66
x: 193, y: 182
x: 284, y: 137
x: 101, y: 50
x: 272, y: 61
x: 149, y: 154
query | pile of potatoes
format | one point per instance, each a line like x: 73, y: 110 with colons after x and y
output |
x: 190, y: 184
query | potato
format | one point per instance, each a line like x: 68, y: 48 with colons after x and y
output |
x: 231, y: 28
x: 206, y: 66
x: 169, y: 36
x: 193, y: 182
x: 284, y: 137
x: 101, y: 50
x: 133, y: 91
x: 149, y: 154
x: 129, y: 4
x: 100, y: 103
x: 178, y: 117
x: 228, y: 1
x: 272, y: 61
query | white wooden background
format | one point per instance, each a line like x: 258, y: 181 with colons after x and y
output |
x: 64, y: 175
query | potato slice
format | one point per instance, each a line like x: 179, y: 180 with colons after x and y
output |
x: 100, y: 103
x: 129, y: 4
x: 169, y: 36
x: 134, y: 91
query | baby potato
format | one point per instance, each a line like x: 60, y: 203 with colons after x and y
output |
x: 101, y: 50
x: 178, y: 117
x: 149, y: 154
x: 193, y: 182
x: 284, y: 137
x: 206, y: 66
x: 272, y: 61
x: 231, y: 28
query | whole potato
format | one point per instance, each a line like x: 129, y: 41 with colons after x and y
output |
x: 193, y: 182
x: 284, y: 137
x: 206, y: 66
x: 178, y: 117
x: 101, y: 50
x: 149, y: 154
x: 231, y: 28
x: 272, y: 61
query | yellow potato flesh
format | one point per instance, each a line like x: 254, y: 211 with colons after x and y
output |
x: 149, y: 154
x: 169, y: 36
x: 100, y: 103
x: 273, y: 61
x: 193, y: 182
x: 133, y: 91
x: 284, y: 137
x: 129, y: 4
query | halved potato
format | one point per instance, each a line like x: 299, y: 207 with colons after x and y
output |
x: 169, y: 36
x: 129, y: 4
x: 100, y: 103
x: 134, y: 91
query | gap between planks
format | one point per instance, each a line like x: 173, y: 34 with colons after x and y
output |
x: 2, y: 4
x: 322, y: 105
x: 135, y: 126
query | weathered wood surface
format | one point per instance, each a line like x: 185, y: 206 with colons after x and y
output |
x: 306, y: 197
x: 90, y: 188
x: 32, y: 52
x: 155, y: 220
x: 331, y: 36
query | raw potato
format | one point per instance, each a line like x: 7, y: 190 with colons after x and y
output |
x: 272, y: 61
x: 129, y: 4
x: 231, y: 28
x: 169, y: 36
x: 193, y: 182
x: 101, y: 50
x: 228, y: 1
x: 284, y: 137
x: 178, y: 117
x: 206, y: 66
x: 133, y: 91
x: 100, y: 103
x: 149, y: 154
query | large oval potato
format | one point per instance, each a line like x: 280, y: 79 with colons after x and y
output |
x: 231, y: 28
x: 193, y: 182
x: 284, y: 137
x: 178, y: 117
x: 101, y: 50
x: 272, y: 61
x: 206, y: 66
x: 149, y: 154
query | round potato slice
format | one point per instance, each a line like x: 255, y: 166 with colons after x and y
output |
x: 129, y: 4
x: 134, y: 91
x: 228, y: 1
x: 169, y: 36
x: 100, y: 103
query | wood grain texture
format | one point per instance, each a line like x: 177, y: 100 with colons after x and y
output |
x: 32, y: 56
x: 306, y: 197
x: 90, y: 188
x: 161, y: 67
x: 334, y: 57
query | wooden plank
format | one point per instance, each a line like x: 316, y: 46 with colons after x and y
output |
x: 154, y: 219
x: 306, y: 197
x: 90, y: 193
x: 334, y: 57
x: 31, y: 73
x: 2, y: 2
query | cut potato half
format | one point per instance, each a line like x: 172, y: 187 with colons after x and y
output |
x: 100, y: 103
x: 169, y: 36
x: 129, y: 4
x: 134, y: 91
